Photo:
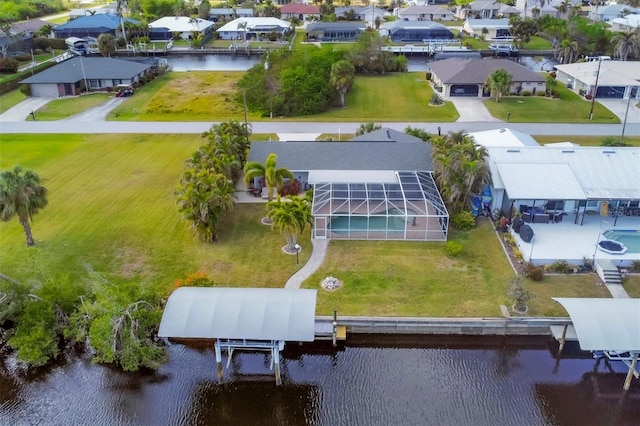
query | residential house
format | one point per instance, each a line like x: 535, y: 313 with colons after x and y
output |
x: 376, y: 187
x: 303, y: 12
x: 538, y: 8
x: 425, y: 13
x: 247, y: 28
x: 225, y: 14
x: 415, y: 31
x: 467, y: 77
x: 74, y: 75
x: 183, y: 25
x: 616, y: 79
x: 335, y: 31
x: 92, y: 26
x: 627, y: 23
x: 363, y: 13
x: 610, y: 12
x: 495, y: 28
x: 29, y: 28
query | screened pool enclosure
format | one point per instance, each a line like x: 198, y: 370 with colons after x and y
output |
x: 408, y: 209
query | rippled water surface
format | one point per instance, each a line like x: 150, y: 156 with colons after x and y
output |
x: 501, y: 383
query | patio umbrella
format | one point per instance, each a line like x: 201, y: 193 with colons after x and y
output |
x: 517, y: 224
x: 526, y: 233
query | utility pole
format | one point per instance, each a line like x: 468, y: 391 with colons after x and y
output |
x: 624, y: 124
x: 244, y: 98
x: 595, y: 89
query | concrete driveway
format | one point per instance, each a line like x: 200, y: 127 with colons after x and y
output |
x: 97, y: 113
x: 472, y: 110
x: 619, y: 108
x: 21, y: 111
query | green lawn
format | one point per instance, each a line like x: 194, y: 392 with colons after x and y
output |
x: 417, y: 279
x: 58, y: 109
x: 11, y: 99
x: 112, y: 206
x: 584, y: 140
x: 632, y: 285
x: 211, y: 96
x: 538, y: 43
x: 391, y: 97
x: 569, y: 108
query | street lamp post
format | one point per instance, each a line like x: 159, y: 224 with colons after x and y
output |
x: 297, y: 247
x: 624, y: 124
x: 595, y: 89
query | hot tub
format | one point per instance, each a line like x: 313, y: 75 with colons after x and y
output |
x: 612, y: 247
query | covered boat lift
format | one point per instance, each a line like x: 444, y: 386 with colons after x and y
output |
x: 610, y: 326
x: 253, y: 319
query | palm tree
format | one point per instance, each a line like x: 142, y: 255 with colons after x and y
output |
x: 21, y: 194
x: 203, y: 198
x: 563, y: 8
x: 567, y: 51
x: 341, y: 77
x: 460, y: 169
x: 499, y: 81
x: 273, y: 176
x: 106, y: 44
x: 367, y: 128
x: 290, y: 217
x: 626, y: 43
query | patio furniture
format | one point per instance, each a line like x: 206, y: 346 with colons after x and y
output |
x: 541, y: 218
x: 526, y: 217
x: 265, y: 192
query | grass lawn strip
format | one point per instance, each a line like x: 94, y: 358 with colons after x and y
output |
x: 58, y: 109
x: 569, y: 108
x: 11, y: 99
x: 632, y: 285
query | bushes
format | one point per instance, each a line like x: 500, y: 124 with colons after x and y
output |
x: 9, y: 65
x: 533, y: 272
x: 463, y: 221
x: 436, y: 99
x: 453, y: 248
x: 541, y: 94
x: 526, y: 93
x: 561, y: 266
x: 635, y: 266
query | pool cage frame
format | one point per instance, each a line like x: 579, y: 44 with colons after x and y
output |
x: 410, y: 209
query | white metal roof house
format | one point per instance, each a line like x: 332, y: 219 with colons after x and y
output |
x: 228, y: 13
x: 572, y: 181
x: 616, y: 79
x: 626, y: 23
x: 183, y: 25
x: 495, y: 27
x: 73, y: 75
x: 425, y: 13
x: 242, y: 28
x: 610, y: 12
x: 378, y: 187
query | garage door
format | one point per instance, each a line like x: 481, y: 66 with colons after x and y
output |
x: 615, y: 92
x: 464, y: 90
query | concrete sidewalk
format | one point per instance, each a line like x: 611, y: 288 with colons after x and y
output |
x: 315, y: 261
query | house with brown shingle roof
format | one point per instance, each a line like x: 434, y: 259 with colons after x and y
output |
x: 466, y: 77
x: 304, y: 12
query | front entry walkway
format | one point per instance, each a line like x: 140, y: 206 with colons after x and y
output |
x: 312, y: 265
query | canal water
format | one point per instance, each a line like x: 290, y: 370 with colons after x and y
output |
x: 414, y: 381
x: 242, y: 63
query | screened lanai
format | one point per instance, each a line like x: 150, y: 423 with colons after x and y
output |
x: 409, y: 208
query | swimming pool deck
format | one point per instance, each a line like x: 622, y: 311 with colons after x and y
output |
x: 573, y: 242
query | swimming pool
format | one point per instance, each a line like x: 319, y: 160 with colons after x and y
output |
x: 375, y: 222
x: 629, y: 237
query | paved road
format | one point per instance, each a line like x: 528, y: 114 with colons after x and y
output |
x: 39, y: 127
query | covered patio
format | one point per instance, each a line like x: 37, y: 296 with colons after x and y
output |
x: 565, y: 240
